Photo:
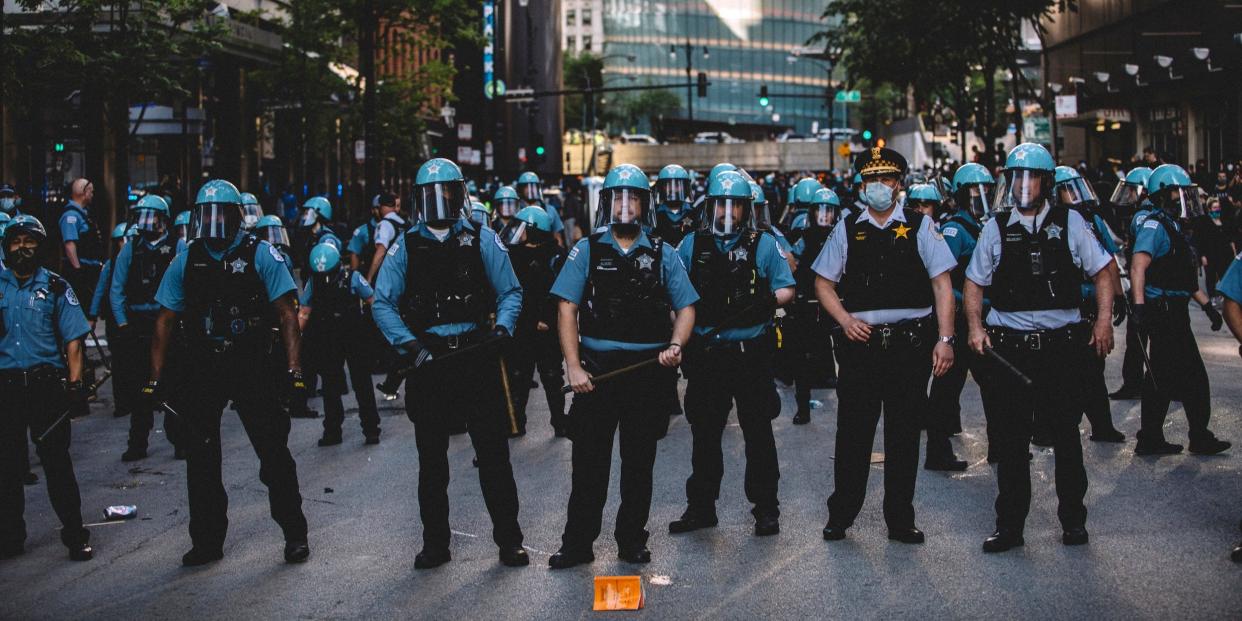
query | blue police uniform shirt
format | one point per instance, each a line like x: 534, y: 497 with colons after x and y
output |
x: 33, y: 318
x: 1230, y: 284
x: 960, y: 241
x: 359, y: 240
x: 387, y: 230
x: 100, y: 296
x: 390, y: 285
x: 120, y: 274
x: 1109, y: 244
x: 268, y: 262
x: 358, y: 285
x: 1085, y: 249
x: 1154, y: 240
x: 1140, y: 216
x: 933, y: 250
x: 571, y: 284
x: 781, y: 240
x: 72, y: 225
x: 769, y: 262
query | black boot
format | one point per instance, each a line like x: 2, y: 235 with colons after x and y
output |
x: 692, y: 520
x: 940, y: 454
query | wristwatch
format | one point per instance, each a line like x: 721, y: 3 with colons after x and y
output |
x: 950, y: 340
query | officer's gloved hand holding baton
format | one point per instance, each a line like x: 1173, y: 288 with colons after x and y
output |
x: 1119, y: 309
x: 1213, y: 316
x: 414, y: 356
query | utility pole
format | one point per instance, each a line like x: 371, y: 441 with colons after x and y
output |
x: 366, y: 61
x: 689, y: 85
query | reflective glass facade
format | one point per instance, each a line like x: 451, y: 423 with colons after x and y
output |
x: 748, y: 44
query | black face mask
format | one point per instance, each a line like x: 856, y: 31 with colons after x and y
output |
x: 217, y: 245
x: 626, y: 229
x: 22, y: 260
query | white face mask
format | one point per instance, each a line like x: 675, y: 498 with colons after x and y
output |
x: 8, y: 204
x: 878, y: 196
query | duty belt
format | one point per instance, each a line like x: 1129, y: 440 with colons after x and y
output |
x: 24, y: 378
x: 902, y: 333
x: 1036, y: 340
x: 441, y: 344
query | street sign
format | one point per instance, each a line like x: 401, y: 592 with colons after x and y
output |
x: 1067, y: 106
x: 360, y: 151
x: 465, y: 131
x: 844, y: 149
x: 1037, y: 129
x: 849, y: 96
x: 518, y: 95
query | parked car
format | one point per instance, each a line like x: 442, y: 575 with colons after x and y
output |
x: 792, y: 136
x: 838, y: 134
x: 716, y: 138
x: 638, y: 139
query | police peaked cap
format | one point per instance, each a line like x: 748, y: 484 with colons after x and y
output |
x: 880, y: 161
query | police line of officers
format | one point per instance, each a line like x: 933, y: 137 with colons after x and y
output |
x: 1012, y: 279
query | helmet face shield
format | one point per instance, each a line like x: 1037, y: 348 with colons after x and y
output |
x: 974, y: 198
x: 624, y: 205
x: 1126, y: 194
x: 479, y: 217
x: 215, y: 221
x: 822, y: 216
x: 274, y: 235
x: 1076, y: 192
x: 925, y: 207
x: 250, y: 216
x: 727, y: 216
x: 1022, y: 188
x: 149, y: 221
x: 514, y: 233
x: 1180, y: 202
x: 507, y: 207
x: 442, y: 203
x: 672, y: 190
x: 309, y: 217
x: 530, y: 192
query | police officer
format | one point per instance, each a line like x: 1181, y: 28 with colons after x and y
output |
x: 271, y: 230
x: 1130, y: 197
x: 880, y: 275
x: 181, y: 225
x: 229, y: 290
x: 1164, y: 276
x: 136, y: 275
x: 973, y: 189
x: 361, y: 244
x: 334, y: 333
x: 627, y: 295
x: 925, y: 199
x: 433, y: 297
x: 314, y: 227
x: 536, y: 261
x: 124, y: 381
x: 10, y: 201
x: 673, y: 217
x: 808, y: 325
x: 388, y: 229
x: 82, y: 241
x: 506, y: 207
x: 1230, y: 288
x: 1033, y: 254
x: 1074, y: 192
x: 742, y: 277
x: 801, y: 196
x: 480, y: 214
x: 39, y: 315
x: 530, y: 189
x: 251, y: 211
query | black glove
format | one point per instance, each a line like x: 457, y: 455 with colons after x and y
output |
x: 150, y: 395
x: 1213, y: 316
x: 1119, y: 310
x: 298, y: 393
x: 76, y: 394
x: 414, y: 355
x: 1138, y: 316
x: 500, y: 333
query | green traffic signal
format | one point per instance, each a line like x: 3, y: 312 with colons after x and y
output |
x: 763, y: 102
x: 539, y: 150
x: 59, y: 147
x: 866, y: 134
x: 763, y: 96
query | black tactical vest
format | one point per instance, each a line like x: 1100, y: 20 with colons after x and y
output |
x: 625, y: 298
x: 729, y: 282
x: 813, y: 240
x: 958, y: 275
x: 883, y: 268
x: 445, y: 282
x: 226, y: 299
x: 89, y: 243
x: 146, y: 269
x: 333, y: 301
x: 368, y: 248
x: 673, y: 231
x: 1177, y: 269
x: 1036, y: 271
x: 536, y: 270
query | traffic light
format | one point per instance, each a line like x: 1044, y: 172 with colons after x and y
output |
x: 702, y: 85
x: 59, y: 147
x: 866, y: 134
x: 537, y: 147
x: 539, y: 150
x: 763, y: 96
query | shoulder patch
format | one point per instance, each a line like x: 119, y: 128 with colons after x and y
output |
x: 499, y: 244
x: 573, y: 253
x: 1151, y: 224
x: 71, y: 297
x: 392, y: 252
x: 949, y: 231
x: 71, y: 219
x: 363, y: 279
x: 275, y: 252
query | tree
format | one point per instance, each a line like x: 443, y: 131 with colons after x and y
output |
x: 650, y: 106
x: 948, y: 50
x: 581, y: 71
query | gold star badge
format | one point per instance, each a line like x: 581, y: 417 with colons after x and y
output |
x: 901, y: 231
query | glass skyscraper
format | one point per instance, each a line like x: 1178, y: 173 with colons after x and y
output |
x: 741, y: 45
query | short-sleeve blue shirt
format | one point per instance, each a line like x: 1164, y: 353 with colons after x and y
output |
x: 1230, y: 285
x: 268, y: 262
x: 358, y: 285
x: 571, y: 284
x: 769, y: 262
x: 73, y: 224
x: 1153, y: 240
x: 38, y: 323
x: 361, y: 237
x: 120, y: 274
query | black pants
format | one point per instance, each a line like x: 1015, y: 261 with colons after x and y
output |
x: 83, y: 280
x: 808, y: 336
x: 1094, y: 401
x: 1177, y: 372
x: 1047, y: 403
x: 944, y: 414
x: 627, y: 404
x: 529, y: 350
x: 133, y: 353
x: 27, y: 411
x: 236, y: 376
x: 1132, y: 363
x: 439, y: 396
x: 127, y: 378
x: 715, y: 380
x: 328, y: 351
x: 873, y: 379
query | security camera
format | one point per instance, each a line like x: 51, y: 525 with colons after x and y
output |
x: 1131, y: 69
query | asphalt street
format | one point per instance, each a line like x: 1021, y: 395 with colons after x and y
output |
x: 1161, y: 530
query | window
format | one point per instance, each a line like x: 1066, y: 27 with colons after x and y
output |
x: 571, y: 14
x: 586, y: 43
x: 571, y: 42
x: 586, y: 17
